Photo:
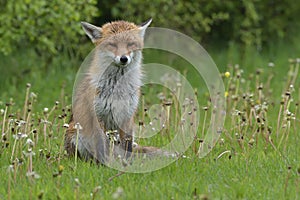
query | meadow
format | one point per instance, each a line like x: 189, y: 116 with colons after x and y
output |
x: 256, y: 157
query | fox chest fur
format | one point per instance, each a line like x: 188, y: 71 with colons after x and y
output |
x: 117, y: 95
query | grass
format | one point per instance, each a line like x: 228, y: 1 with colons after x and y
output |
x: 256, y: 157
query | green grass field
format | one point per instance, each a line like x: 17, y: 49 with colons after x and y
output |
x: 256, y: 157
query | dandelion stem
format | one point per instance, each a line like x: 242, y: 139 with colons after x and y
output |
x: 204, y: 122
x: 26, y: 101
x: 3, y: 123
x: 13, y: 150
x: 219, y: 156
x: 76, y: 145
x: 278, y: 120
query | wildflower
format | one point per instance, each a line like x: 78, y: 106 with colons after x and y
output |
x: 227, y: 74
x: 226, y: 94
x: 60, y: 168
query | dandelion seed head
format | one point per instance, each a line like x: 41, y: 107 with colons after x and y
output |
x: 161, y: 96
x: 118, y: 193
x: 78, y: 126
x: 33, y: 174
x: 271, y: 64
x: 66, y: 125
x: 77, y: 181
x: 33, y: 95
x: 10, y: 168
x: 20, y: 135
x: 29, y: 142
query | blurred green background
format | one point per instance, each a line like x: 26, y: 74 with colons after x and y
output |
x: 42, y: 41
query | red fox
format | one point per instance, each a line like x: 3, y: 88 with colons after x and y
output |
x: 107, y: 96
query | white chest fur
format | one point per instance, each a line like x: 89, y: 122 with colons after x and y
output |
x: 118, y: 94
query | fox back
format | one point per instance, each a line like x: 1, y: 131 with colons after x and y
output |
x: 106, y: 97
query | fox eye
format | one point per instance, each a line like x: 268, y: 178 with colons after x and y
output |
x: 131, y: 44
x: 112, y: 44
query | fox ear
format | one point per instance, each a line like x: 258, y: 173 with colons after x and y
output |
x: 92, y: 31
x: 144, y: 26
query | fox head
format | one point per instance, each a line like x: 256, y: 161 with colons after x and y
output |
x: 119, y: 42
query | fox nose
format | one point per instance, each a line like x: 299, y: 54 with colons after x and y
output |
x: 123, y: 59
